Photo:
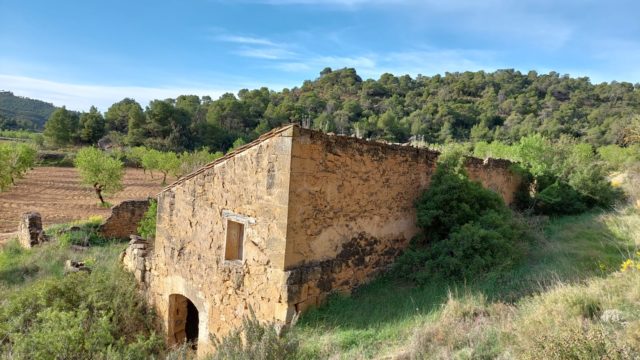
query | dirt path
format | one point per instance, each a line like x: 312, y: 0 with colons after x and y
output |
x: 57, y: 194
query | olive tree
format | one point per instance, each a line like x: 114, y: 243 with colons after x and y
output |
x: 99, y: 170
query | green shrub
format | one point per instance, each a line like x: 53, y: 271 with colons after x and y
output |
x: 254, y: 340
x: 79, y: 316
x: 559, y: 198
x: 147, y: 226
x: 466, y: 231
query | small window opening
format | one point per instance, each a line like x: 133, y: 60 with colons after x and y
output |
x: 235, y: 237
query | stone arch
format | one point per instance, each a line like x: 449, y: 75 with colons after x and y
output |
x: 183, y: 320
x: 187, y: 315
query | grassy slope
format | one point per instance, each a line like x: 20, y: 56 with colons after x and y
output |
x: 382, y: 318
x: 45, y: 313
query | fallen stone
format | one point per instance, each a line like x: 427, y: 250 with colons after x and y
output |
x: 71, y: 266
x: 79, y: 248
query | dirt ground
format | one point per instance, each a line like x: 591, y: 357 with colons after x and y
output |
x: 56, y: 193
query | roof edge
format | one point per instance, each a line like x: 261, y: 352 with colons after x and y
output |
x: 229, y: 155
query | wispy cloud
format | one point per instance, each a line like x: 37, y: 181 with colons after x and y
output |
x: 413, y: 62
x: 270, y: 53
x: 245, y: 40
x: 82, y: 96
x: 256, y: 47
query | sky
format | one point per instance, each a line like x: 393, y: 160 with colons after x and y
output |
x: 87, y: 52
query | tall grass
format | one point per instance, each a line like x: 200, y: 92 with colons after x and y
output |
x: 575, y: 258
x: 45, y: 313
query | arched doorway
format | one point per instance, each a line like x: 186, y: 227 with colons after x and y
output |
x: 183, y: 321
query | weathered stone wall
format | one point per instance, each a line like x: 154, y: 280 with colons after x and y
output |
x: 320, y: 214
x: 496, y: 175
x: 352, y: 209
x: 30, y: 232
x: 188, y: 257
x: 124, y: 219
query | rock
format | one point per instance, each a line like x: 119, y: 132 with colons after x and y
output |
x: 30, y: 231
x: 79, y: 248
x: 612, y: 316
x: 71, y: 266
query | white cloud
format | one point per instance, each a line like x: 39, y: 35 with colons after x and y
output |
x: 245, y: 40
x: 82, y: 96
x: 271, y: 53
x: 413, y: 62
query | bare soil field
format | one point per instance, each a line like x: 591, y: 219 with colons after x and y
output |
x: 56, y: 193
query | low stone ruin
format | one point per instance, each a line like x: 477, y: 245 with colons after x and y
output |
x: 30, y: 232
x: 124, y: 219
x: 134, y: 258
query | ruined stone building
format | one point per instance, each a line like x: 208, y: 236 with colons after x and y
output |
x: 282, y: 222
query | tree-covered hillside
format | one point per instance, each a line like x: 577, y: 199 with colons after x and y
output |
x: 18, y: 113
x: 502, y: 105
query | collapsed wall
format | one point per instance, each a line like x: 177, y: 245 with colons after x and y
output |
x: 124, y: 219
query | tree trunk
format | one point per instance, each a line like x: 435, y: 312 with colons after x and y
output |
x: 164, y: 179
x: 98, y: 189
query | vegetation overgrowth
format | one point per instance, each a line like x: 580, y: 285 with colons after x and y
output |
x: 47, y: 313
x: 567, y: 299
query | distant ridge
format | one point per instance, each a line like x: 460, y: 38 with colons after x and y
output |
x: 25, y: 112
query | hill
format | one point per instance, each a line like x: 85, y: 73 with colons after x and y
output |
x: 503, y: 105
x: 17, y: 112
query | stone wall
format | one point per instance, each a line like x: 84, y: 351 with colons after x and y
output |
x: 250, y: 187
x: 496, y: 175
x: 124, y: 219
x: 30, y: 232
x: 317, y: 214
x: 351, y: 209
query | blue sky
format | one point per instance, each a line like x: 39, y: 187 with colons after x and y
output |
x: 79, y: 53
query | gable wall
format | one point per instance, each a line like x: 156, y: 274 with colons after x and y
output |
x: 188, y: 252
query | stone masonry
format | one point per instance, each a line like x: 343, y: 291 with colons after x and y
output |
x: 30, y: 232
x: 282, y: 222
x: 124, y: 219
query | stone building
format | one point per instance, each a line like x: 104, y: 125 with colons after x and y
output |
x: 282, y: 222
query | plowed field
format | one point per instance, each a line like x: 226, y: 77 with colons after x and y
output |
x: 56, y: 193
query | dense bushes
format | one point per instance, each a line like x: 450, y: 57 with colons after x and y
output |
x: 47, y: 315
x: 466, y: 230
x: 147, y: 226
x: 79, y: 316
x: 567, y: 177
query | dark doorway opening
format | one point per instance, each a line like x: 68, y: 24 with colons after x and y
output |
x: 191, y: 327
x: 183, y: 321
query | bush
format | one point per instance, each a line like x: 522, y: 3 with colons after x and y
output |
x: 79, y: 316
x: 559, y: 198
x: 147, y: 226
x: 254, y: 340
x: 466, y: 231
